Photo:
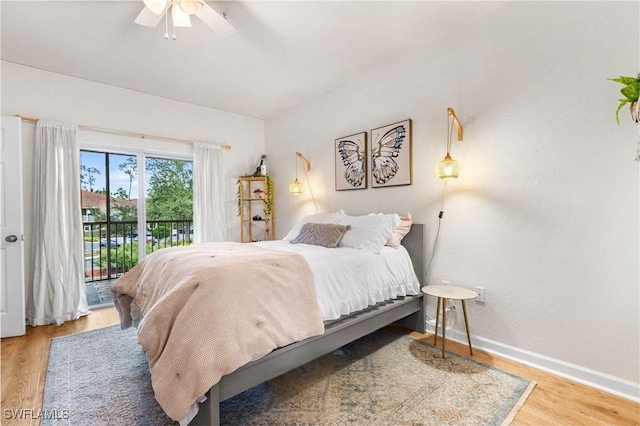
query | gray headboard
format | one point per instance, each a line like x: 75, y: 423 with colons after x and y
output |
x: 414, y: 243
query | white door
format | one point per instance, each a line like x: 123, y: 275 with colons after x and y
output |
x: 12, y: 314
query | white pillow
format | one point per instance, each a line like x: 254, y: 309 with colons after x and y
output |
x: 369, y: 232
x: 333, y: 217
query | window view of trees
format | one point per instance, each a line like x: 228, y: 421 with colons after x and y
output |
x: 110, y: 187
x: 169, y: 189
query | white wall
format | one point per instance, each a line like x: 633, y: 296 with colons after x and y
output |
x: 546, y: 212
x: 57, y: 97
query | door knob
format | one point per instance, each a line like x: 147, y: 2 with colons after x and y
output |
x: 11, y: 239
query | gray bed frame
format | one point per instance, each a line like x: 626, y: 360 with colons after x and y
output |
x: 408, y: 312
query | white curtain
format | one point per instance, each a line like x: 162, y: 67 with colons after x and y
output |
x: 58, y: 293
x: 209, y: 216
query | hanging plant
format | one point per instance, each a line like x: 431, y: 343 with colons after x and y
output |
x: 631, y: 93
x: 268, y: 202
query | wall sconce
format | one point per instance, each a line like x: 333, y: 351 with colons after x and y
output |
x: 296, y: 187
x: 448, y: 167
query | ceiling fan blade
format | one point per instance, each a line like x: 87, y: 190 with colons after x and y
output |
x: 156, y: 6
x: 179, y: 18
x: 148, y: 19
x: 215, y: 21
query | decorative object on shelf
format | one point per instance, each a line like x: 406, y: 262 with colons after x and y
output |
x: 255, y: 208
x: 631, y: 92
x: 351, y: 162
x: 296, y: 187
x: 261, y: 170
x: 181, y: 11
x: 448, y: 167
x: 391, y: 155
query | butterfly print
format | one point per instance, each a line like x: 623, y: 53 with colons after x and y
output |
x: 354, y: 161
x: 384, y: 153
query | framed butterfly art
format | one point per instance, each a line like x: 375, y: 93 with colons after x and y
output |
x: 391, y: 155
x: 351, y: 162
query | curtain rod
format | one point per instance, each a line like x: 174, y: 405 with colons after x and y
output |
x: 123, y: 132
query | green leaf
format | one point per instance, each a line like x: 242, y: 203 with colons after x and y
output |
x: 624, y: 80
x: 623, y: 102
x: 631, y: 92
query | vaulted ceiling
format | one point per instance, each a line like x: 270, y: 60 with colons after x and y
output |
x: 284, y: 52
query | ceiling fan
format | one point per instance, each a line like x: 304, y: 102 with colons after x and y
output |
x: 181, y: 11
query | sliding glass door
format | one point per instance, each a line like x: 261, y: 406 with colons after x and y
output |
x: 130, y: 211
x: 168, y: 202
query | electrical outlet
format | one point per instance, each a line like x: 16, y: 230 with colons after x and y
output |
x: 445, y: 282
x: 480, y: 298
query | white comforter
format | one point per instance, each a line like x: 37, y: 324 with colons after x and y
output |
x: 348, y: 280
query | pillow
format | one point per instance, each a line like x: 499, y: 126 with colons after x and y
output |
x: 400, y: 231
x: 333, y: 217
x: 320, y: 234
x: 369, y: 232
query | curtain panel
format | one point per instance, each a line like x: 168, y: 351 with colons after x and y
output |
x: 209, y: 217
x: 58, y: 293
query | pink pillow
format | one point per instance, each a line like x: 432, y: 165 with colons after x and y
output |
x: 400, y: 231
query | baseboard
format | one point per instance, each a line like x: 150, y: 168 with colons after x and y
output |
x: 602, y: 381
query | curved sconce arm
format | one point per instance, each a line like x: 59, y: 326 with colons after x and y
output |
x: 453, y: 116
x: 304, y: 160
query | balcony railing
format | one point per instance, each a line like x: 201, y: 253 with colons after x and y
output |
x: 111, y: 248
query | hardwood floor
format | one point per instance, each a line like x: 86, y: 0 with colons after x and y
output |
x: 23, y: 364
x: 554, y: 401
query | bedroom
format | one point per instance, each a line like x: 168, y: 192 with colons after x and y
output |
x: 545, y: 213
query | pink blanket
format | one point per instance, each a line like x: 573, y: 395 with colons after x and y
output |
x: 208, y: 309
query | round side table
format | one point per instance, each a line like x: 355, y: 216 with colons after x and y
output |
x: 444, y: 292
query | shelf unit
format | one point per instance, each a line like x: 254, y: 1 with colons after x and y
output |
x: 255, y: 196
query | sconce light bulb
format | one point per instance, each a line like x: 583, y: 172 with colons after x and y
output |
x: 448, y: 168
x: 296, y: 187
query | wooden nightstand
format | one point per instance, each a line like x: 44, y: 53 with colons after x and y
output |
x: 444, y: 292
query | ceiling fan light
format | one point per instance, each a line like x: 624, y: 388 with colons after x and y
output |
x: 156, y: 6
x: 190, y: 6
x: 180, y: 19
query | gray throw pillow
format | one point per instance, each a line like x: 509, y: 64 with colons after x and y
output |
x: 320, y: 234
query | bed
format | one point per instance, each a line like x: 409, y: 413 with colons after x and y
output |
x: 406, y: 310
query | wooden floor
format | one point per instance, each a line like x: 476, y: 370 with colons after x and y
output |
x: 554, y: 401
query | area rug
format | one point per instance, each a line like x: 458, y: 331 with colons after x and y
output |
x: 101, y: 377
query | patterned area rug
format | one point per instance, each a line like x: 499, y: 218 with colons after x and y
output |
x: 101, y: 377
